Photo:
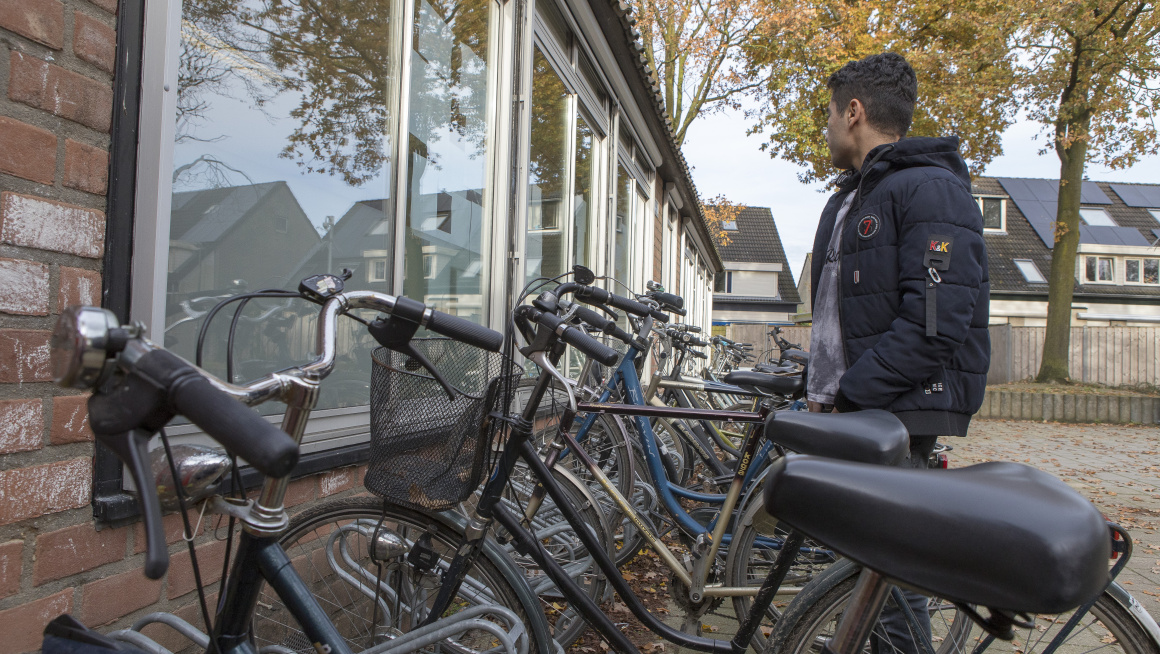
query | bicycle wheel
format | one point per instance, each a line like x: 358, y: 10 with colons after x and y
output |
x: 752, y: 552
x: 563, y: 543
x: 329, y: 546
x: 1107, y: 627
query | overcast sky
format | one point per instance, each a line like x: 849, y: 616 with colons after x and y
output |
x: 726, y: 161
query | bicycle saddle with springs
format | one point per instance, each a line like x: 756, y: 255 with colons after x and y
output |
x: 1001, y: 535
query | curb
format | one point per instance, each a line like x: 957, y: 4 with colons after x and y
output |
x: 1061, y: 407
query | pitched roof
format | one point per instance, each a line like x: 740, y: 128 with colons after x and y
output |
x: 757, y: 241
x: 1023, y: 240
x: 205, y: 216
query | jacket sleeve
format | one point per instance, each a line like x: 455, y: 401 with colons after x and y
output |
x: 905, y: 356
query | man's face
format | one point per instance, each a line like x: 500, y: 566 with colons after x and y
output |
x: 838, y: 137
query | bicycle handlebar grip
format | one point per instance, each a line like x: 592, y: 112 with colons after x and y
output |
x: 594, y: 319
x: 699, y: 355
x: 236, y: 426
x: 578, y: 338
x: 465, y: 331
x: 671, y: 303
x: 592, y: 294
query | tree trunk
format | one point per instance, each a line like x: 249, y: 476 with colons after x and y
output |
x: 1057, y: 340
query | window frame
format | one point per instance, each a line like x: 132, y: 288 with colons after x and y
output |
x: 1140, y: 261
x: 1002, y: 229
x: 1102, y: 210
x: 1098, y: 257
x: 1033, y: 266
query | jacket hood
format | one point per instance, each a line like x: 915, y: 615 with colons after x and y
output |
x: 941, y: 152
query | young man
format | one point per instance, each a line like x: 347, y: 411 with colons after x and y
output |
x: 899, y: 271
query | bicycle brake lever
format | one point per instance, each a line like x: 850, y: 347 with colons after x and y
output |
x: 418, y: 356
x: 395, y: 334
x: 131, y: 447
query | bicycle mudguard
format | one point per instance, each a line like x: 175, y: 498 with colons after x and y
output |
x: 1133, y: 607
x: 537, y: 621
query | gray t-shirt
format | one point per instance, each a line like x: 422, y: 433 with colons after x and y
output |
x: 827, y: 352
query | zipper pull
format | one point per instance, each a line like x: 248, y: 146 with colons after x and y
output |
x: 932, y: 302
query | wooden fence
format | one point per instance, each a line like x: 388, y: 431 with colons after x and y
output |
x: 1112, y: 356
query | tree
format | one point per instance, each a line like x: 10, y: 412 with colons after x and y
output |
x: 695, y: 49
x: 958, y: 50
x: 718, y: 212
x: 1090, y: 76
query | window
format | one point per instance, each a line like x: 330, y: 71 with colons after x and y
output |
x: 377, y: 270
x: 1142, y: 271
x: 723, y: 282
x: 548, y: 168
x: 1096, y: 217
x: 1030, y: 271
x: 1099, y: 270
x: 729, y: 225
x: 1155, y: 214
x: 994, y: 213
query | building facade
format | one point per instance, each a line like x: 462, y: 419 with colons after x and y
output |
x: 1117, y: 275
x: 161, y: 154
x: 756, y: 285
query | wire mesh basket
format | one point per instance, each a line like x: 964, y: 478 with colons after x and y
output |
x: 427, y: 451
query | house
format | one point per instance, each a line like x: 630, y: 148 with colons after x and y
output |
x: 805, y: 284
x: 756, y: 285
x: 157, y: 152
x: 1117, y: 274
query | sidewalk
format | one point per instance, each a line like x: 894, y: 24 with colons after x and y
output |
x: 1116, y: 467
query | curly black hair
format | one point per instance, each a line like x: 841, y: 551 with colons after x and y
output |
x: 886, y: 86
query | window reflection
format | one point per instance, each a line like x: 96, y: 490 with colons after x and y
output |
x: 447, y: 155
x: 621, y: 239
x: 547, y: 172
x: 281, y: 170
x: 584, y: 210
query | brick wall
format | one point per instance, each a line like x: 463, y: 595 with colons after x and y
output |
x: 56, y: 99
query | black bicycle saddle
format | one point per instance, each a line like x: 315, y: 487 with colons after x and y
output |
x: 1002, y: 535
x: 767, y: 383
x: 871, y: 436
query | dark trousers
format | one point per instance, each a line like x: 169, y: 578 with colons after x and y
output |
x: 893, y: 634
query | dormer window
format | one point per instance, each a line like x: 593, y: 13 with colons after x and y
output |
x: 994, y: 213
x: 1099, y: 270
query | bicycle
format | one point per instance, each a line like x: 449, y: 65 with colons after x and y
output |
x: 138, y: 386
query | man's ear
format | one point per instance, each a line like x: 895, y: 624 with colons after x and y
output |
x: 855, y: 112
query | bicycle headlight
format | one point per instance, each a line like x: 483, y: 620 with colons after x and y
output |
x: 80, y: 342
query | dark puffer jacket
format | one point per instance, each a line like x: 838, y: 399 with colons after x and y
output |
x: 914, y: 198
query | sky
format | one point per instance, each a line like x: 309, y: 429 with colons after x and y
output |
x: 727, y: 162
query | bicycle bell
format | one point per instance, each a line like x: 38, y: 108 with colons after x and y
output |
x: 81, y: 345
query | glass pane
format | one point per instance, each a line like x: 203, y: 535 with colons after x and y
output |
x: 447, y: 150
x: 1096, y: 217
x: 584, y: 207
x: 281, y: 170
x: 1105, y: 270
x: 992, y: 213
x: 556, y: 23
x: 1132, y: 270
x: 592, y: 80
x: 1090, y: 269
x: 625, y: 200
x: 547, y: 172
x: 1152, y: 271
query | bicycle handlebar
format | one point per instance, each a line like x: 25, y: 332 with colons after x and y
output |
x: 574, y: 336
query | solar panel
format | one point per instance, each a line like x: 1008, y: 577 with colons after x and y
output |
x: 1138, y: 195
x: 1037, y: 200
x: 1102, y: 235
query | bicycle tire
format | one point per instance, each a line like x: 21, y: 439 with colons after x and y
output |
x: 811, y: 617
x: 342, y: 524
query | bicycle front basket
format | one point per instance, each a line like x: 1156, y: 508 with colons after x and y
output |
x: 427, y: 451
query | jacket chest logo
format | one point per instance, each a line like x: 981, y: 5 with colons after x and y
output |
x: 868, y: 227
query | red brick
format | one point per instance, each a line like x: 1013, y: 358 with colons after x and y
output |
x: 94, y: 42
x: 21, y: 425
x: 40, y: 20
x: 86, y: 168
x: 107, y: 599
x: 76, y: 549
x: 337, y: 481
x: 209, y: 564
x: 29, y: 152
x: 22, y: 627
x: 78, y: 286
x: 24, y: 356
x: 23, y: 287
x: 10, y: 565
x: 173, y: 527
x: 46, y: 86
x: 46, y: 225
x: 49, y: 488
x: 70, y: 420
x: 301, y: 491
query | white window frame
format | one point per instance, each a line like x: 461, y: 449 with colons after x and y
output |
x: 1033, y: 266
x: 1101, y: 210
x: 1002, y: 213
x: 1083, y: 269
x: 1140, y: 261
